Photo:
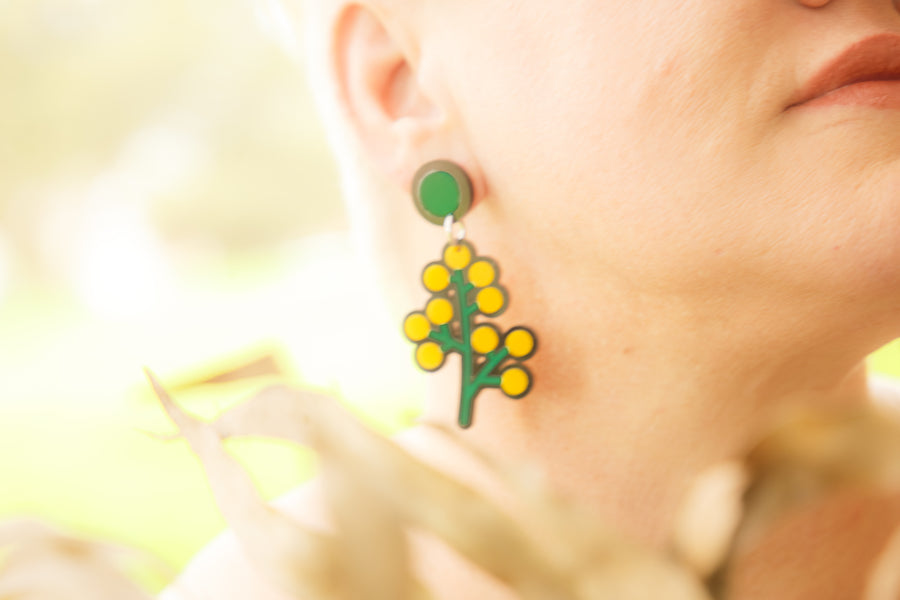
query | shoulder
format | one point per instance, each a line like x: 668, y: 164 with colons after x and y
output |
x: 223, y: 571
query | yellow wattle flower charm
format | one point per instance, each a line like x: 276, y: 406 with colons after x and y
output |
x: 463, y: 286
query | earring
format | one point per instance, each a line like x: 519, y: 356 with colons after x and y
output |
x: 463, y: 286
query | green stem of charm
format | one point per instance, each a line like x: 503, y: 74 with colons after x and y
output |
x: 468, y: 389
x: 471, y: 309
x: 484, y: 377
x: 446, y: 340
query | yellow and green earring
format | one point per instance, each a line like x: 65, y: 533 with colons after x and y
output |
x: 463, y: 286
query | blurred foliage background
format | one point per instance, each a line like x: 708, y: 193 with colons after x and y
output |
x: 167, y: 199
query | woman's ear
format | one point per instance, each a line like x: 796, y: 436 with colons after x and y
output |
x: 387, y: 110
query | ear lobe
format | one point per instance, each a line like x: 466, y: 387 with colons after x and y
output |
x: 377, y: 85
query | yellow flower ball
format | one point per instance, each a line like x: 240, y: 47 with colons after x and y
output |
x: 458, y: 256
x: 485, y: 339
x: 436, y: 277
x: 520, y: 342
x: 429, y: 356
x: 439, y: 311
x: 416, y: 327
x: 515, y: 382
x: 482, y: 274
x: 490, y: 300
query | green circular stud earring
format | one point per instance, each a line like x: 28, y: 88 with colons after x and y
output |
x: 463, y: 286
x: 440, y: 189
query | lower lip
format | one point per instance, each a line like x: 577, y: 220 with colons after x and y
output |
x: 877, y: 94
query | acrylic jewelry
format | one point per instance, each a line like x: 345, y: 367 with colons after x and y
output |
x: 463, y: 286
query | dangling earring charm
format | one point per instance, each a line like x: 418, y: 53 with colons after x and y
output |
x: 463, y: 286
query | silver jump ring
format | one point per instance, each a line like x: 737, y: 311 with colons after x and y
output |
x: 456, y: 230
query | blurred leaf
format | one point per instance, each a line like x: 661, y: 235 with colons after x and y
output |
x: 263, y: 366
x: 44, y: 564
x: 300, y: 561
x: 709, y: 517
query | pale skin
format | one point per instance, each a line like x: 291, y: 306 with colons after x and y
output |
x: 693, y: 256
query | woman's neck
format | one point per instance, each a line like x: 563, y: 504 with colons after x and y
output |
x: 629, y: 452
x: 624, y: 420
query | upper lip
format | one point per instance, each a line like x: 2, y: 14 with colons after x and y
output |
x: 875, y: 58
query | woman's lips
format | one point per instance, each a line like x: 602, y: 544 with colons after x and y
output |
x: 877, y: 94
x: 865, y: 73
